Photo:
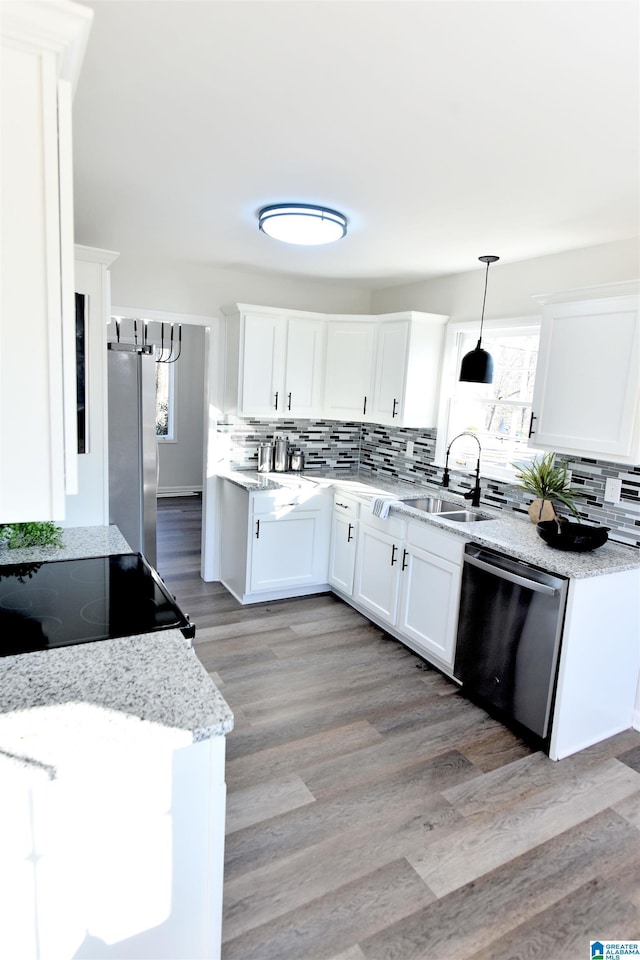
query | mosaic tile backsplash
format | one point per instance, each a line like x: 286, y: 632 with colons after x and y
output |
x: 380, y: 449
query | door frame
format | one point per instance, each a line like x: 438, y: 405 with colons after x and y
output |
x: 212, y: 400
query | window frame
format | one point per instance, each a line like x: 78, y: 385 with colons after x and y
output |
x: 172, y: 403
x: 451, y: 358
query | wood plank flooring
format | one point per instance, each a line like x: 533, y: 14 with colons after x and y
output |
x: 374, y: 814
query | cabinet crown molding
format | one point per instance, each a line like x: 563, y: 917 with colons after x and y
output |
x: 95, y: 255
x: 236, y: 308
x: 58, y: 26
x: 621, y: 288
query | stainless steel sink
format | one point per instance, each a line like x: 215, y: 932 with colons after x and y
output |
x: 463, y: 516
x: 433, y: 504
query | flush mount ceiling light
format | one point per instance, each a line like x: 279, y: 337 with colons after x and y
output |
x: 302, y: 223
x: 477, y: 365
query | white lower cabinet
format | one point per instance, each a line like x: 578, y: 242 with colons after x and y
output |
x: 344, y: 540
x: 287, y: 550
x: 432, y: 572
x: 378, y: 567
x: 275, y: 543
x: 408, y: 578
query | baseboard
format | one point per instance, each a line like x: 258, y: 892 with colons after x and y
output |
x: 193, y: 491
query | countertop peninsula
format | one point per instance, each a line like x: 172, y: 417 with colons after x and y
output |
x: 58, y: 707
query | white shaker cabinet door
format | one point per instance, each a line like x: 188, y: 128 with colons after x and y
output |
x: 288, y: 551
x: 304, y: 387
x: 391, y: 371
x: 342, y: 553
x: 429, y: 606
x: 587, y: 384
x: 377, y: 578
x: 262, y: 365
x: 349, y: 377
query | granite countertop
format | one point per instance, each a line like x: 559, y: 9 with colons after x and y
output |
x: 77, y: 542
x: 501, y: 531
x: 58, y: 707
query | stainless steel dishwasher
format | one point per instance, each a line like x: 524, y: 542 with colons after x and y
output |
x: 509, y: 632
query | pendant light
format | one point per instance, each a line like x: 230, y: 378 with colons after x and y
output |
x: 302, y: 223
x: 477, y: 365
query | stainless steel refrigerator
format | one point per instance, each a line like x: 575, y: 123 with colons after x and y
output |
x: 133, y: 470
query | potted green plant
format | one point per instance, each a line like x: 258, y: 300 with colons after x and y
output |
x: 549, y: 482
x: 36, y: 534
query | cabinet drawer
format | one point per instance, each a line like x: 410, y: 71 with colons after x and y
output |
x: 346, y: 506
x: 286, y: 500
x: 442, y: 544
x: 393, y: 526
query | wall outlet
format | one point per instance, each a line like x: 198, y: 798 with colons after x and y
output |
x: 612, y: 490
x: 409, y: 448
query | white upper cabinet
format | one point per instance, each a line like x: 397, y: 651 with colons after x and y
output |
x: 369, y: 369
x: 348, y: 390
x: 587, y: 389
x: 42, y: 49
x: 407, y: 371
x: 275, y: 362
x: 304, y: 372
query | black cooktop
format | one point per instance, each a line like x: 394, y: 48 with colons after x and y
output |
x: 61, y: 602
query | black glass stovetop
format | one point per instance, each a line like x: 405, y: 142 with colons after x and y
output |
x: 61, y: 602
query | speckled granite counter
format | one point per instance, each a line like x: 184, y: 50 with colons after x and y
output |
x: 77, y: 542
x: 503, y: 531
x: 68, y: 702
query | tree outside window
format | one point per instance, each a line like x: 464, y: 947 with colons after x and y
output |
x: 165, y: 399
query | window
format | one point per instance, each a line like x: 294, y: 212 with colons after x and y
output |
x: 499, y: 413
x: 165, y: 399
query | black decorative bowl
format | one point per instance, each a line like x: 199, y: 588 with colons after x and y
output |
x: 564, y: 535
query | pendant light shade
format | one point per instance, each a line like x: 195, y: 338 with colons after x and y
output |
x: 477, y: 365
x: 302, y: 223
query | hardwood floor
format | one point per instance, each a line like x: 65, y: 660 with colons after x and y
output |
x: 374, y: 814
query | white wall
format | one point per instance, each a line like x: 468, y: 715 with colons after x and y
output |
x: 193, y: 288
x: 513, y: 285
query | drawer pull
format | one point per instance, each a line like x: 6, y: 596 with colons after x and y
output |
x: 345, y: 506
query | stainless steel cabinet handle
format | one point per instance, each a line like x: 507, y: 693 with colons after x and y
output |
x: 257, y: 529
x: 350, y: 533
x: 394, y: 550
x: 394, y: 412
x: 511, y: 577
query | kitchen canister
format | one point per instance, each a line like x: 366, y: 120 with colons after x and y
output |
x: 265, y: 457
x: 281, y: 455
x: 296, y: 460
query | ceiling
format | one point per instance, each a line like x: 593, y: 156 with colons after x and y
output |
x: 444, y: 130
